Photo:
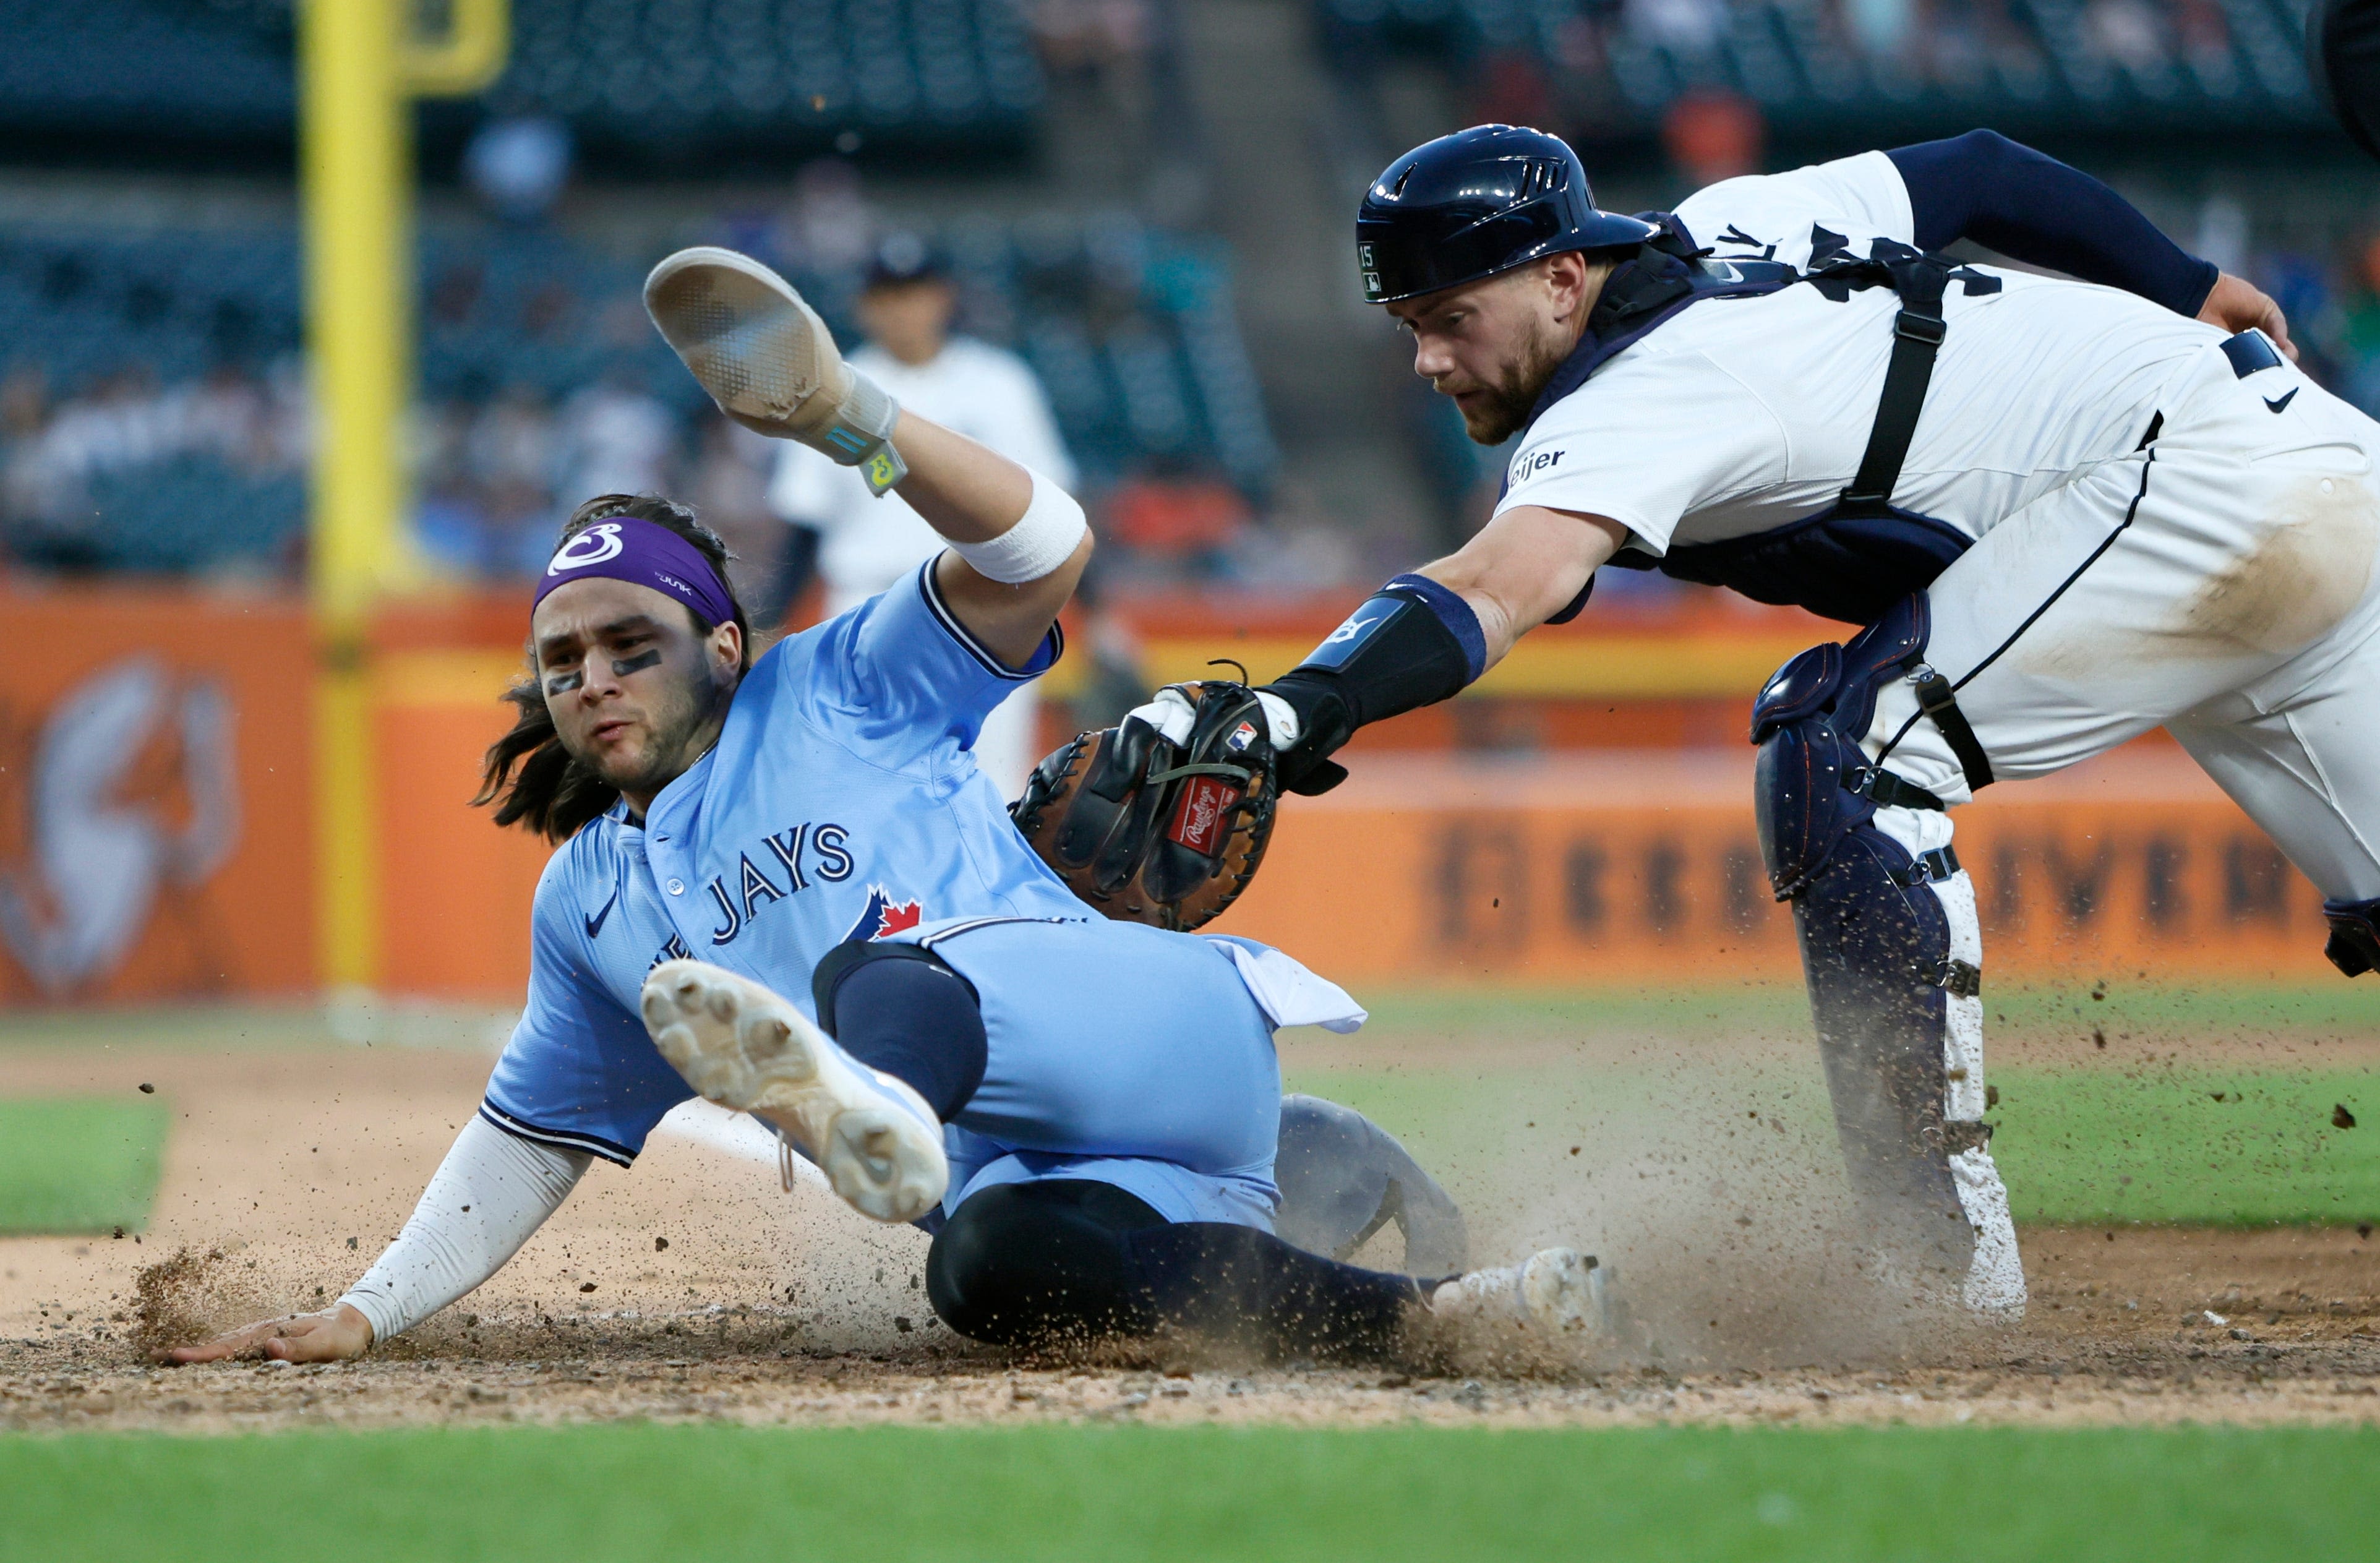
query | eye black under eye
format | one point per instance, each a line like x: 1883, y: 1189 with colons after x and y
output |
x: 622, y: 667
x: 564, y: 683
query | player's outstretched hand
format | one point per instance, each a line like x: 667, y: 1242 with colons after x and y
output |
x: 333, y: 1336
x: 2236, y: 304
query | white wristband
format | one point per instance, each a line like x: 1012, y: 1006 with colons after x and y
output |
x: 1043, y: 538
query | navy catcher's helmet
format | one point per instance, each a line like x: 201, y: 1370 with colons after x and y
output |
x: 1477, y: 202
x: 2343, y: 58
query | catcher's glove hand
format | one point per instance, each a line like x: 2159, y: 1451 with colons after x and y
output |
x: 1162, y: 818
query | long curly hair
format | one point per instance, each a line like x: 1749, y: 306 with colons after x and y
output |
x: 529, y: 777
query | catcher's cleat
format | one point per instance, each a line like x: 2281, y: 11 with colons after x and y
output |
x: 1555, y: 1292
x: 743, y: 1047
x: 769, y: 362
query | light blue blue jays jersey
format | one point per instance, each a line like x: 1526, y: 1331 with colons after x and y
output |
x: 842, y: 801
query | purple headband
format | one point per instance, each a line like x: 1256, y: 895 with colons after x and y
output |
x: 627, y: 547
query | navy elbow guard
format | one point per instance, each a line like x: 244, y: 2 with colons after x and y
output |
x: 1411, y: 644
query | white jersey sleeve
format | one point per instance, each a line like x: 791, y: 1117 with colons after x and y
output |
x: 1771, y: 216
x: 1645, y: 440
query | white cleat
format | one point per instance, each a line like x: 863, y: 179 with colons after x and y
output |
x: 1557, y: 1292
x: 769, y: 361
x: 745, y: 1047
x: 749, y: 338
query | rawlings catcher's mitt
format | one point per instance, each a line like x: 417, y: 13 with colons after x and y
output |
x: 1163, y: 819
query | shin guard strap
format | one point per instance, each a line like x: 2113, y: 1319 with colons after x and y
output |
x: 2354, y: 946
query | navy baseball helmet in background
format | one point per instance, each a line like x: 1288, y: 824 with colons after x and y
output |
x: 1477, y: 202
x: 2343, y: 58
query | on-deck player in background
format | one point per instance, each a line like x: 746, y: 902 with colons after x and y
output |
x: 757, y: 853
x: 2066, y: 511
x: 972, y: 387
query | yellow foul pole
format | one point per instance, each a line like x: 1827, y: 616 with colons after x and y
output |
x: 358, y: 66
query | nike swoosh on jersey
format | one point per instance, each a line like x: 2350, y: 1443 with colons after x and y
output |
x: 2276, y: 404
x: 595, y: 923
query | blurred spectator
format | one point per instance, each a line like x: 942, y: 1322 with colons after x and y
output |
x: 448, y: 521
x: 1089, y: 38
x: 614, y: 438
x: 2359, y: 333
x: 24, y: 413
x: 2222, y: 237
x: 510, y: 462
x: 1713, y: 135
x: 1881, y: 29
x: 828, y: 226
x: 2205, y: 35
x: 2129, y: 32
x: 71, y: 468
x: 730, y: 492
x: 1686, y: 27
x: 1514, y: 90
x: 518, y: 166
x: 1113, y: 683
x: 1177, y: 518
x: 867, y: 544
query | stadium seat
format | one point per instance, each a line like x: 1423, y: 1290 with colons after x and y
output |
x: 1132, y: 331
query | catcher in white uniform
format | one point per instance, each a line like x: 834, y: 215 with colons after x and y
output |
x: 870, y: 543
x: 2064, y: 511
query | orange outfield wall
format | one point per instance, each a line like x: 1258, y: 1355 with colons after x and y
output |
x: 156, y: 797
x: 1609, y: 867
x: 156, y: 834
x: 1593, y: 868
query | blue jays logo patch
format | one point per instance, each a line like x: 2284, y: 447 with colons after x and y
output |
x: 883, y: 917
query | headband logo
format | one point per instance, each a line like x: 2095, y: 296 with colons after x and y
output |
x: 593, y: 546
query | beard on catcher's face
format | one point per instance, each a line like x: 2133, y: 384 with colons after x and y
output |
x: 1494, y: 409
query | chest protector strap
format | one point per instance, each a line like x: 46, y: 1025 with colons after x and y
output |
x: 1917, y: 333
x: 1855, y: 559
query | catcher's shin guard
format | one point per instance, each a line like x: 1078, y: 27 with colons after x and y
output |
x: 1892, y: 953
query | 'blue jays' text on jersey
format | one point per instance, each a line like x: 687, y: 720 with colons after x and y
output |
x: 839, y: 802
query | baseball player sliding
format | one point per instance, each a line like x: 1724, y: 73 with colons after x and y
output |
x: 2064, y: 511
x: 784, y: 884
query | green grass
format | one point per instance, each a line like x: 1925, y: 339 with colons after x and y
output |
x: 1053, y: 1494
x: 2083, y: 1143
x: 2090, y: 1146
x: 2234, y: 1010
x: 73, y: 1165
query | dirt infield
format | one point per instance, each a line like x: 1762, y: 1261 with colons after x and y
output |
x: 696, y: 1287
